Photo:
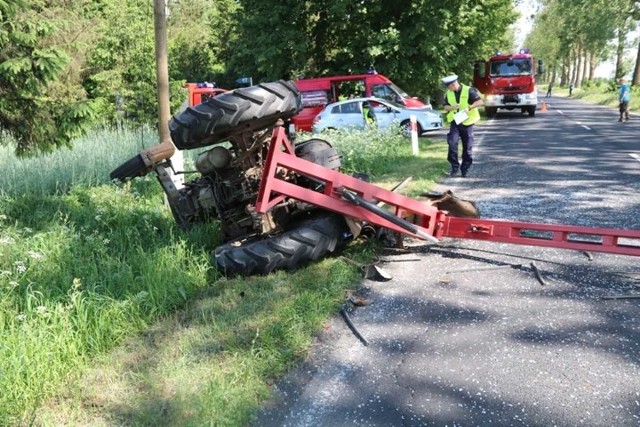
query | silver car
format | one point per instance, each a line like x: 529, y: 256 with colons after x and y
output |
x: 358, y: 113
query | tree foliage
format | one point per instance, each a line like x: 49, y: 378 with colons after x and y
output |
x: 415, y: 45
x: 566, y: 32
x: 69, y: 64
x: 41, y: 102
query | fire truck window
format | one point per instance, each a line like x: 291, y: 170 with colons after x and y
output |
x: 385, y: 92
x: 511, y: 68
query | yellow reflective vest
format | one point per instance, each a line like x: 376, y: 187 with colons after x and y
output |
x: 474, y: 114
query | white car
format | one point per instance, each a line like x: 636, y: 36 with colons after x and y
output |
x: 351, y: 114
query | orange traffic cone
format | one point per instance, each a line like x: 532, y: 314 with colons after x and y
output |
x: 543, y: 107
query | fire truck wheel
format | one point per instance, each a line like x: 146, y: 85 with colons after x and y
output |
x: 490, y: 111
x: 307, y: 242
x: 130, y: 169
x: 532, y: 111
x: 238, y: 111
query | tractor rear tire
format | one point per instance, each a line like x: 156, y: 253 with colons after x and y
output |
x: 238, y: 111
x: 307, y: 242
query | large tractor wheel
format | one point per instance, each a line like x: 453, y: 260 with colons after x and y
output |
x: 240, y: 110
x: 308, y: 241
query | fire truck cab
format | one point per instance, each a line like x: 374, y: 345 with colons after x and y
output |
x: 200, y: 92
x: 508, y: 81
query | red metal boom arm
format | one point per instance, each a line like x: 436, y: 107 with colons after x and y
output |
x: 427, y: 219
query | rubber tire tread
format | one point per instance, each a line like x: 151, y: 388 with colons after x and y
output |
x: 130, y: 169
x: 289, y: 250
x: 241, y: 110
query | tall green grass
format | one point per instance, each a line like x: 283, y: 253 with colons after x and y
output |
x: 86, y: 265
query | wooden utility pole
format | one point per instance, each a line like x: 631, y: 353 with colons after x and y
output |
x: 162, y: 68
x: 162, y: 81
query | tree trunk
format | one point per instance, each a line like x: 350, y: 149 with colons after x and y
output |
x: 586, y: 67
x: 579, y: 66
x: 636, y: 70
x: 574, y: 67
x: 593, y: 63
x: 564, y: 77
x: 620, y: 54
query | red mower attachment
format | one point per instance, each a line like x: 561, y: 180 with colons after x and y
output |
x: 360, y: 200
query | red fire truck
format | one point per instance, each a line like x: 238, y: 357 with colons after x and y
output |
x: 200, y: 92
x: 508, y: 81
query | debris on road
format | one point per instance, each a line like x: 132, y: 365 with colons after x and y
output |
x: 353, y: 328
x: 538, y: 274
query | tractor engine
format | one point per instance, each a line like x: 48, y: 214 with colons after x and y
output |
x: 230, y: 180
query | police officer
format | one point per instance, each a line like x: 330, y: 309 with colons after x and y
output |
x: 465, y: 100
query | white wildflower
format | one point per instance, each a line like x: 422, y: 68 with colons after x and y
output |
x: 35, y: 255
x: 27, y: 230
x: 3, y: 217
x: 5, y: 273
x: 21, y: 317
x: 6, y: 240
x: 20, y: 267
x: 106, y: 241
x: 41, y: 309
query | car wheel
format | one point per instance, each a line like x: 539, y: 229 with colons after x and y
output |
x: 405, y: 129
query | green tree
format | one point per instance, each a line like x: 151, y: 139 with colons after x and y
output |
x: 414, y: 45
x: 42, y: 104
x: 121, y: 64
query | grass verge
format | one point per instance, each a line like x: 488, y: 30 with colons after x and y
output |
x: 109, y: 314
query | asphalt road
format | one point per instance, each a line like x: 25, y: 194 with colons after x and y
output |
x: 493, y: 346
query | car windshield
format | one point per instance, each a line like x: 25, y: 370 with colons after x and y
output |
x: 511, y: 67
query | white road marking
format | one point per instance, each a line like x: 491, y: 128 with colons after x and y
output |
x: 635, y: 156
x: 586, y: 127
x: 560, y: 111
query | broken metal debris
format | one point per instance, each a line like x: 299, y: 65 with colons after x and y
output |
x: 497, y: 267
x: 538, y: 275
x: 351, y: 326
x: 370, y: 271
x: 630, y: 296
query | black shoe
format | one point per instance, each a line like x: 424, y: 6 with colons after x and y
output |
x: 465, y: 173
x: 454, y: 172
x: 620, y: 119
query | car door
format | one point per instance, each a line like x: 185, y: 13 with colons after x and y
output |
x: 350, y: 116
x: 386, y: 115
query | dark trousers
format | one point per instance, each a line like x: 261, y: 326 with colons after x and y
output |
x: 456, y: 134
x: 624, y: 109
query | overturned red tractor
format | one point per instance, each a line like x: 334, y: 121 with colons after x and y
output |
x: 280, y: 205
